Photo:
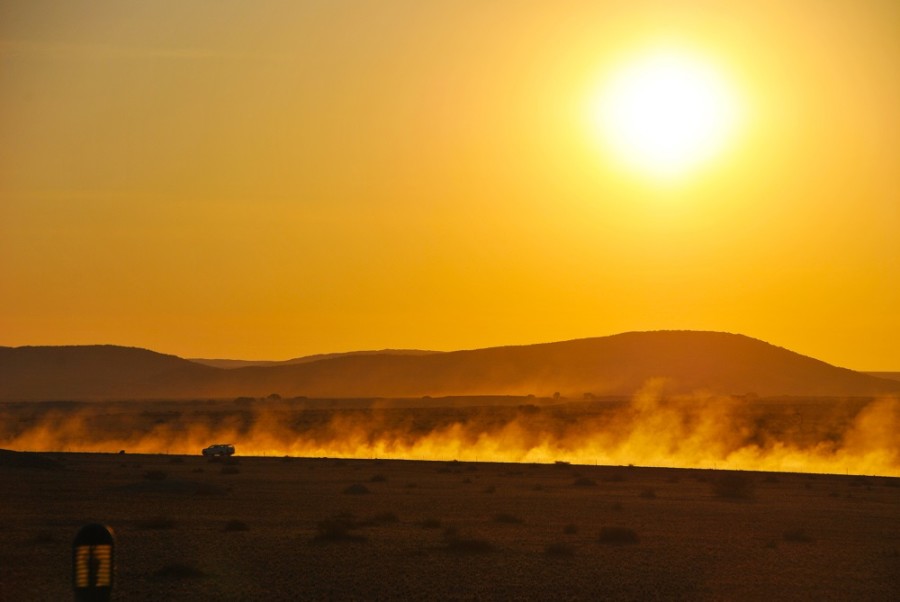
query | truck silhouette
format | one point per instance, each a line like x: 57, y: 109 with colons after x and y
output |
x: 218, y: 450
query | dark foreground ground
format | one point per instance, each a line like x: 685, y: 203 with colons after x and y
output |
x: 324, y: 529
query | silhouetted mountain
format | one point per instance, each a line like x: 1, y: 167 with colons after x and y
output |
x: 686, y: 361
x: 91, y: 372
x: 888, y: 375
x: 224, y: 363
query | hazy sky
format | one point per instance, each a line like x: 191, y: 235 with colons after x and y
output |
x: 270, y: 179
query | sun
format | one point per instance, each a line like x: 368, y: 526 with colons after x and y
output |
x: 666, y: 113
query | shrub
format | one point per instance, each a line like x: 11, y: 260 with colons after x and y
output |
x: 733, y: 486
x: 356, y: 489
x: 584, y: 482
x: 617, y: 536
x: 236, y: 525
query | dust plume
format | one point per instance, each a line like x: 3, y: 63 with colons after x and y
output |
x: 856, y: 436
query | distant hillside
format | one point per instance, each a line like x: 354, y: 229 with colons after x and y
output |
x: 223, y: 363
x: 889, y: 375
x: 91, y: 372
x: 616, y: 365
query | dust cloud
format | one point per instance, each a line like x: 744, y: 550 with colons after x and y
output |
x: 857, y: 436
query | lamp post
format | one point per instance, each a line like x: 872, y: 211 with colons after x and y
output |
x: 93, y: 563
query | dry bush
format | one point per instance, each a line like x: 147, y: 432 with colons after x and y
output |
x: 356, y: 489
x: 236, y: 525
x: 617, y: 536
x: 584, y: 482
x: 734, y: 486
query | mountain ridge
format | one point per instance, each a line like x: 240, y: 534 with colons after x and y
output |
x: 304, y: 359
x: 621, y: 364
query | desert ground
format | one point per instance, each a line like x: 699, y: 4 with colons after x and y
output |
x: 284, y: 528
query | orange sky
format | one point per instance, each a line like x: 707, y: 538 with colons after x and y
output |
x: 272, y: 179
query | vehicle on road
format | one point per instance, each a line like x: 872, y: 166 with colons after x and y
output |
x: 218, y: 450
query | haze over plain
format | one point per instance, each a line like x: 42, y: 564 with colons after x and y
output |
x: 274, y: 179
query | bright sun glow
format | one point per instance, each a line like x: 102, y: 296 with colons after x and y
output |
x: 666, y: 113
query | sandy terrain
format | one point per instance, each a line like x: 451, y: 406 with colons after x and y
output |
x: 289, y: 529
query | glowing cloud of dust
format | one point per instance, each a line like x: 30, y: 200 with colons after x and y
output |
x: 650, y: 430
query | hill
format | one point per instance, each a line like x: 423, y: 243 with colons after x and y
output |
x: 226, y: 363
x: 92, y: 372
x: 887, y: 375
x: 616, y: 365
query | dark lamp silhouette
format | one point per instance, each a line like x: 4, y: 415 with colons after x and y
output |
x: 93, y: 555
